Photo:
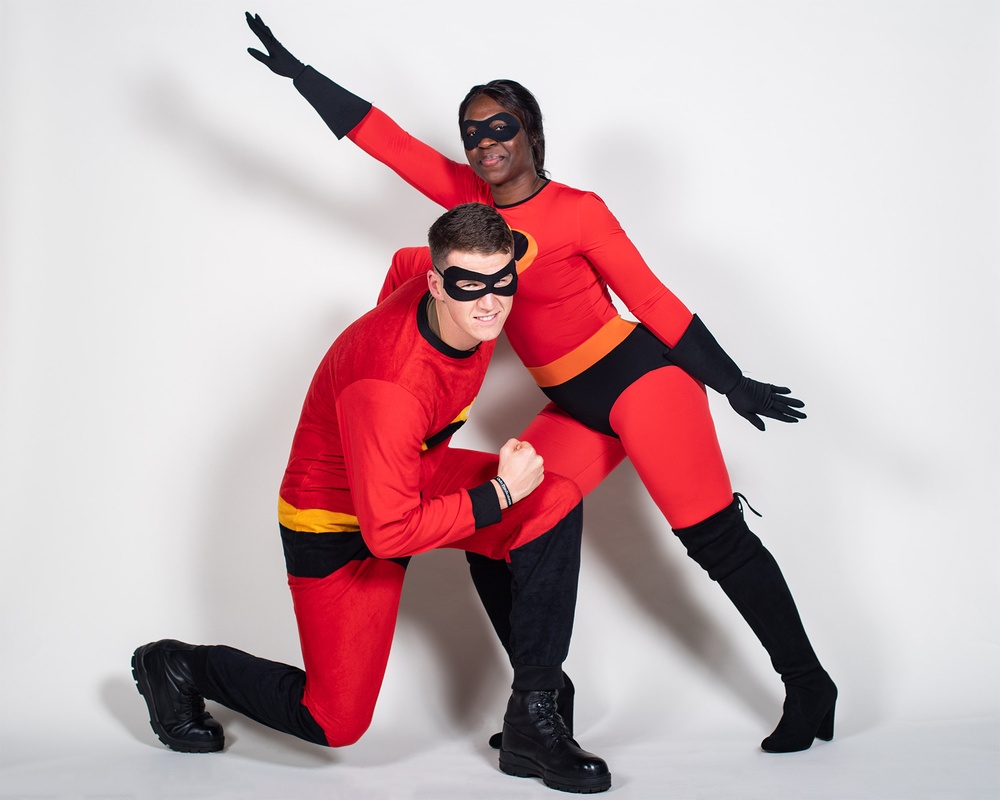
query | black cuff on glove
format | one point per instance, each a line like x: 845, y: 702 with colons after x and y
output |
x: 701, y: 357
x: 340, y: 109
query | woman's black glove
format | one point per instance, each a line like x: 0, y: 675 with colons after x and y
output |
x: 278, y: 59
x: 340, y: 109
x: 701, y: 357
x: 750, y: 398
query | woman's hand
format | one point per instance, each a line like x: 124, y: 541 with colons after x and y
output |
x: 750, y: 398
x: 278, y: 59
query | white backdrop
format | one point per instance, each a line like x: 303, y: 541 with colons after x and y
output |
x: 182, y: 238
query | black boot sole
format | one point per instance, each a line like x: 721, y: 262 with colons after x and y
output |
x: 521, y: 767
x: 141, y: 679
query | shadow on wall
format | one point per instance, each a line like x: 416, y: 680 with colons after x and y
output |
x: 171, y: 114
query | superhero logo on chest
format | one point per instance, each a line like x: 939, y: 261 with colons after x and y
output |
x: 525, y: 250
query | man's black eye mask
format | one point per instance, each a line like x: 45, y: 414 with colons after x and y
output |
x: 474, y: 131
x: 453, y: 275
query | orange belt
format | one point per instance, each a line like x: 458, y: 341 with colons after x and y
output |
x: 612, y: 334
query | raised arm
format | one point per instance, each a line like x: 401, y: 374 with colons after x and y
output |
x: 340, y: 109
x: 442, y: 180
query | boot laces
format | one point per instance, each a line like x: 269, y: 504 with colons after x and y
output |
x: 547, y: 717
x: 741, y: 501
x: 191, y: 703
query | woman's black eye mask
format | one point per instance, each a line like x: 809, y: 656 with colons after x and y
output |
x: 474, y: 131
x: 453, y: 275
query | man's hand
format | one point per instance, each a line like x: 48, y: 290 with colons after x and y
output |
x: 521, y: 468
x: 750, y: 398
x: 278, y: 59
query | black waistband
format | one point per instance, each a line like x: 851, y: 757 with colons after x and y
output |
x: 316, y: 555
x: 589, y: 396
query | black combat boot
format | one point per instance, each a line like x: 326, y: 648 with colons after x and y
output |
x: 564, y: 707
x: 536, y: 744
x: 176, y: 707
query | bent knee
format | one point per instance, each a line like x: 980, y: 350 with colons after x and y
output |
x: 341, y: 732
x: 344, y: 736
x: 562, y: 490
x: 339, y: 727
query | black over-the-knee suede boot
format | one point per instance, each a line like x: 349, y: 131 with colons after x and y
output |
x: 734, y: 557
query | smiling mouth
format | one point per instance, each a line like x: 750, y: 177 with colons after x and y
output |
x: 491, y: 161
x: 489, y: 317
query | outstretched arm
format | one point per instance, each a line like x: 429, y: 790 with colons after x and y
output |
x: 340, y: 109
x: 692, y: 346
x: 702, y: 357
x: 442, y: 180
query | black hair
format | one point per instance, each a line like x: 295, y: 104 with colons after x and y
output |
x: 522, y: 104
x: 469, y: 228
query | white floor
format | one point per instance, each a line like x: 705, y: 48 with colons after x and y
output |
x: 932, y: 760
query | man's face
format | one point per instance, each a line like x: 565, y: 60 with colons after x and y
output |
x: 464, y: 324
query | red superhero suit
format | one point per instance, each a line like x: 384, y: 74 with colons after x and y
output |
x: 618, y: 388
x: 563, y: 323
x: 390, y: 474
x: 370, y: 482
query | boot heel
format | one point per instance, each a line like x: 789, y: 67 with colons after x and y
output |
x: 825, y: 731
x: 796, y: 730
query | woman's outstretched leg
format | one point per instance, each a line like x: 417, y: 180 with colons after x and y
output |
x: 667, y: 430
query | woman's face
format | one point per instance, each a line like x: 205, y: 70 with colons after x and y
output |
x: 498, y: 162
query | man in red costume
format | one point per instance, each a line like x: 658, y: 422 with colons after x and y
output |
x: 618, y: 388
x: 371, y: 481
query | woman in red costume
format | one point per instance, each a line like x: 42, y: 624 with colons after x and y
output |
x: 618, y: 388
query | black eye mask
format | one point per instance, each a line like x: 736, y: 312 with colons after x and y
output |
x: 474, y: 131
x: 453, y: 275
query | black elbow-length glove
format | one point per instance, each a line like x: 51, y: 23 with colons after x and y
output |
x: 702, y: 357
x: 340, y: 109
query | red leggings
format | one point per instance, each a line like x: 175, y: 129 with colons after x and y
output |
x: 666, y: 431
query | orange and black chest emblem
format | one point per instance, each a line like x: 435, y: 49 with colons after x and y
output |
x: 525, y: 250
x: 448, y: 430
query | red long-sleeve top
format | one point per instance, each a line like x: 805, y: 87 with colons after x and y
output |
x: 382, y: 402
x: 563, y: 319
